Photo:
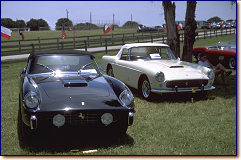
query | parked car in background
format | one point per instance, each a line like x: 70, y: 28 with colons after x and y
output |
x: 65, y: 90
x: 142, y: 28
x: 159, y: 28
x: 223, y: 52
x: 152, y: 68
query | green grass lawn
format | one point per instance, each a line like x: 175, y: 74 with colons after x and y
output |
x: 166, y: 125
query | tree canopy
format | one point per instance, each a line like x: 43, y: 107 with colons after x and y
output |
x: 8, y: 22
x: 63, y: 22
x: 35, y: 24
x: 215, y: 19
x: 20, y: 24
x: 130, y: 24
x: 85, y: 26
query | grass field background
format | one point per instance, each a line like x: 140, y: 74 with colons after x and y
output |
x: 166, y: 125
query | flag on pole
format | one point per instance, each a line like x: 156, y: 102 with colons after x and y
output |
x: 75, y: 33
x: 21, y: 34
x: 107, y: 29
x: 5, y: 32
x: 63, y: 33
x: 179, y: 26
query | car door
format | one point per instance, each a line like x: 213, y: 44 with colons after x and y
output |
x: 121, y: 66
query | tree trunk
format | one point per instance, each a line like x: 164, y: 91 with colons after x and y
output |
x: 173, y: 39
x: 189, y: 31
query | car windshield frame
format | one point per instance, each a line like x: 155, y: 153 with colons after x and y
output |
x: 152, y: 55
x: 71, y: 67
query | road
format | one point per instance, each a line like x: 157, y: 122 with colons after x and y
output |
x: 92, y: 50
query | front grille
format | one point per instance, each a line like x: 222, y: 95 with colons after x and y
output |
x: 82, y: 119
x: 78, y: 118
x: 75, y: 119
x: 186, y: 83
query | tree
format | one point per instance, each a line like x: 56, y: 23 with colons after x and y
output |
x: 173, y: 38
x: 63, y: 22
x: 189, y: 31
x: 8, y: 22
x: 35, y: 24
x: 43, y: 23
x: 214, y: 19
x: 130, y: 24
x: 20, y: 24
x: 85, y: 26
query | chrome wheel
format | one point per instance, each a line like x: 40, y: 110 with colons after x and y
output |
x: 232, y: 62
x: 146, y: 88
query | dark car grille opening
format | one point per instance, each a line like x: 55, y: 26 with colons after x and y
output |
x: 80, y: 118
x: 187, y: 83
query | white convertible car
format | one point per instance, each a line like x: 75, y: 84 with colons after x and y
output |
x: 152, y: 67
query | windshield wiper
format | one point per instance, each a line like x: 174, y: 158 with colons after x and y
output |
x: 42, y: 65
x: 83, y: 67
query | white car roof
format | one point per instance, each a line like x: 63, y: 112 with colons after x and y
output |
x: 143, y: 44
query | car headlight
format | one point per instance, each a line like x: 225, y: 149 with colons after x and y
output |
x: 160, y: 77
x: 31, y: 100
x: 211, y: 74
x: 126, y: 98
x: 107, y: 118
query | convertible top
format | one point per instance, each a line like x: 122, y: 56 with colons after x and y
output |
x: 59, y: 52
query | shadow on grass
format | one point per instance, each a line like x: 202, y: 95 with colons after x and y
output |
x: 73, y: 142
x: 219, y: 91
x: 226, y: 91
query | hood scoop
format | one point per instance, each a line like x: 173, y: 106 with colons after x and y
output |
x: 177, y: 67
x: 75, y: 85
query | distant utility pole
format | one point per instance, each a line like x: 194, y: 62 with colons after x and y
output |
x: 67, y: 12
x: 131, y: 17
x: 113, y: 18
x: 90, y: 18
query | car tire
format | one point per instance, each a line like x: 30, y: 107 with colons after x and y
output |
x: 145, y: 88
x: 22, y: 131
x: 231, y: 63
x: 25, y: 135
x: 110, y: 71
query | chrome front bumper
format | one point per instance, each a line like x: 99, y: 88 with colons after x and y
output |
x: 182, y: 90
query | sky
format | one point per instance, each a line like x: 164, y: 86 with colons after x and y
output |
x: 149, y: 13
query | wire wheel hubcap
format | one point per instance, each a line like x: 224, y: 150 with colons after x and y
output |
x: 146, y: 89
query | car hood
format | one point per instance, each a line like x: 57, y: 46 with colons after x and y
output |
x: 175, y: 69
x: 75, y: 93
x: 75, y: 86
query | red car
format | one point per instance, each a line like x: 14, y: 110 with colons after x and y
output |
x: 223, y: 52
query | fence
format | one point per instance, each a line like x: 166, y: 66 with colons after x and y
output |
x: 85, y: 42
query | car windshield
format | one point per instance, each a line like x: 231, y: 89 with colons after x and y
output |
x: 226, y: 45
x: 151, y: 53
x: 64, y: 64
